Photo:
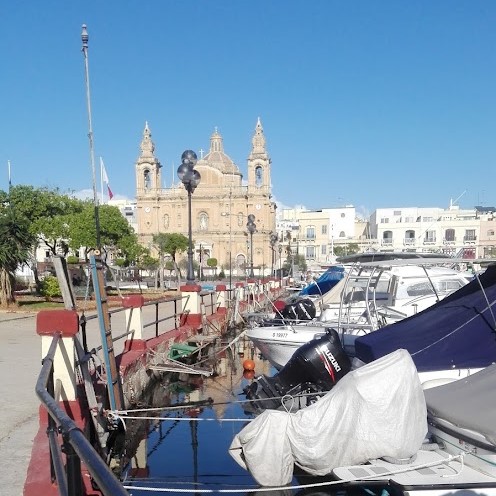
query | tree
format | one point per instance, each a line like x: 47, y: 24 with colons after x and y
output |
x: 349, y: 249
x: 169, y: 244
x: 44, y: 211
x: 15, y: 244
x: 115, y: 232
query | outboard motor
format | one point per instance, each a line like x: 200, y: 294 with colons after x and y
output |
x: 301, y: 309
x: 315, y: 367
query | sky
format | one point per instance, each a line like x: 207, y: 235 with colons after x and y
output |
x: 375, y: 104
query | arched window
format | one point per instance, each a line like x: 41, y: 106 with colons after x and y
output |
x: 258, y: 176
x: 203, y: 221
x: 146, y: 179
x: 342, y: 234
x: 387, y: 236
x: 490, y: 232
x: 240, y: 260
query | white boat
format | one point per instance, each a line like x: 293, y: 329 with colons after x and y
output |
x: 378, y: 429
x: 461, y: 454
x: 371, y: 296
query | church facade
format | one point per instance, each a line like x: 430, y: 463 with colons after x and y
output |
x: 220, y: 206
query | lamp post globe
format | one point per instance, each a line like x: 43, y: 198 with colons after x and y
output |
x: 191, y: 179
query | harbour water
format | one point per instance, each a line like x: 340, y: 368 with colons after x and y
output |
x: 180, y: 442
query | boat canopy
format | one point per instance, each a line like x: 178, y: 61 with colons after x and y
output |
x: 325, y: 282
x: 457, y: 332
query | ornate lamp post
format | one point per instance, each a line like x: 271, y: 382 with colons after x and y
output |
x: 280, y: 262
x: 251, y: 228
x: 273, y: 240
x: 191, y: 179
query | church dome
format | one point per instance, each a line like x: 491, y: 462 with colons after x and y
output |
x: 216, y: 157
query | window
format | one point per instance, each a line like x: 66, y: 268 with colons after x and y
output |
x: 310, y: 252
x: 397, y: 213
x: 146, y: 179
x: 310, y: 232
x: 409, y: 219
x: 258, y: 176
x: 323, y: 249
x: 410, y: 234
x: 427, y: 219
x: 470, y: 235
x: 324, y: 229
x: 449, y: 235
x: 343, y: 215
x: 430, y: 236
x: 240, y: 219
x: 387, y: 236
x: 342, y: 234
x: 384, y: 220
x: 490, y: 232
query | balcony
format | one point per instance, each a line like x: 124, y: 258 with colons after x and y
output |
x: 469, y: 239
x: 429, y: 241
x: 449, y: 241
x: 387, y: 242
x: 409, y: 241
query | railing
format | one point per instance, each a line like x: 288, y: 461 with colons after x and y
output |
x: 171, y: 303
x: 74, y: 444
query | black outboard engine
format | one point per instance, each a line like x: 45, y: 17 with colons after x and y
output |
x: 301, y: 309
x: 315, y: 367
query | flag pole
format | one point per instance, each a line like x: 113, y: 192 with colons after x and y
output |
x: 101, y: 177
x: 84, y: 39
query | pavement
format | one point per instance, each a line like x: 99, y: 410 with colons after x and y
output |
x: 20, y: 365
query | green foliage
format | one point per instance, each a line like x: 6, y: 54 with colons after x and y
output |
x: 15, y: 244
x: 222, y: 275
x: 148, y: 262
x: 349, y: 249
x: 71, y: 259
x: 120, y: 262
x: 170, y: 243
x: 50, y: 287
x: 212, y: 262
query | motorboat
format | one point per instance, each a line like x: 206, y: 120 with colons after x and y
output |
x: 460, y: 452
x: 370, y: 296
x: 378, y: 428
x: 456, y: 336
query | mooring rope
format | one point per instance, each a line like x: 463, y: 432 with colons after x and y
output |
x: 445, y: 461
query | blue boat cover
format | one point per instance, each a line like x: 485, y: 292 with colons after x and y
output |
x: 457, y: 332
x: 325, y: 282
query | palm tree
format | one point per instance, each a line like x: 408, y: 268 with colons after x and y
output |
x: 15, y: 244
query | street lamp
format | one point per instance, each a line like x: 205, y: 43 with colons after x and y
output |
x: 251, y: 228
x: 273, y: 240
x: 280, y: 262
x: 191, y: 179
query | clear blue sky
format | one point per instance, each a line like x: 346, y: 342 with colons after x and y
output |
x: 370, y: 103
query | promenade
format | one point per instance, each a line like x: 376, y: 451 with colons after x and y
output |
x: 20, y: 365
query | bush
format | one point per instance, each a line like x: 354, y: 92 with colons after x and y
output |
x: 222, y: 275
x: 50, y: 288
x: 71, y: 259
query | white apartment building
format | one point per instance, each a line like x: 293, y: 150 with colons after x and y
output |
x: 314, y: 233
x: 467, y: 233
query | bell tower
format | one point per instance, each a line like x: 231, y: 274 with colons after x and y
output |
x: 148, y: 175
x: 258, y: 163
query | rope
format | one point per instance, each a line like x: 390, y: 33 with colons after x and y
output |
x: 449, y: 459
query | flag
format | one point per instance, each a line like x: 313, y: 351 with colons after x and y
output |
x: 105, y: 179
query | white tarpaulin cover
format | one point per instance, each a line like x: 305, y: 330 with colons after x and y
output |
x: 375, y: 411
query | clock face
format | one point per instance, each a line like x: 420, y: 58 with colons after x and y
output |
x: 258, y: 206
x: 147, y: 209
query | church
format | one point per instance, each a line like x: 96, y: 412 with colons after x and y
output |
x: 220, y: 206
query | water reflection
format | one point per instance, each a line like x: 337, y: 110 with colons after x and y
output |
x: 185, y: 427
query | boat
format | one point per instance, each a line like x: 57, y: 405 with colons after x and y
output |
x: 459, y: 456
x: 370, y: 296
x: 456, y: 335
x: 400, y: 437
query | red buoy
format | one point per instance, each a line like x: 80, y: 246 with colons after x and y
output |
x: 249, y: 374
x: 249, y: 364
